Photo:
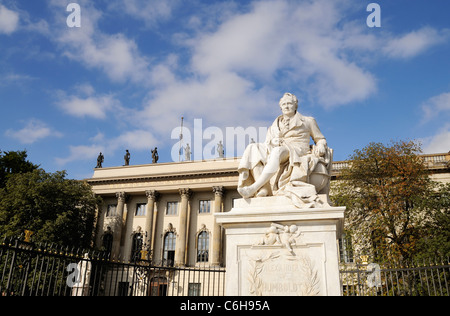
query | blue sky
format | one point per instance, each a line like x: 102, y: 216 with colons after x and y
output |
x: 124, y: 79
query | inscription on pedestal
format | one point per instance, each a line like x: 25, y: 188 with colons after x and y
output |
x: 267, y: 272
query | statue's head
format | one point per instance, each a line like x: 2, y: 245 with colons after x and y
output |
x: 289, y: 97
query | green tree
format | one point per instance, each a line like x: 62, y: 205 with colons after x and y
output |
x: 13, y: 162
x: 435, y: 237
x: 390, y: 200
x: 56, y: 209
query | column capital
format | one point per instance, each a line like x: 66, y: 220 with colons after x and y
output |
x: 219, y: 190
x: 152, y: 194
x: 186, y: 192
x: 122, y: 196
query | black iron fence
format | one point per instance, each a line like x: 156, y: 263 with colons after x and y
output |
x: 27, y: 269
x: 413, y: 278
x: 46, y: 270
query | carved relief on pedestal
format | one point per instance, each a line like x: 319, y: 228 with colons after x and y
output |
x: 285, y: 236
x: 280, y: 265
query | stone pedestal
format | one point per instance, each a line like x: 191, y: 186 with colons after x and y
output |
x: 276, y: 249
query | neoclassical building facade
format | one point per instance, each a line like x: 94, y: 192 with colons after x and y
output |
x: 165, y: 208
x: 168, y: 209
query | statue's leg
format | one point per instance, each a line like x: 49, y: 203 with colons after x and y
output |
x: 276, y: 157
x: 265, y: 190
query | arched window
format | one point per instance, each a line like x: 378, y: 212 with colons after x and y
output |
x: 169, y: 249
x: 203, y: 247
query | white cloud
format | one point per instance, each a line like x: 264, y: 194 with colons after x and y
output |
x: 436, y: 105
x: 33, y: 131
x: 80, y: 153
x: 221, y: 100
x: 115, y: 54
x: 243, y: 65
x: 437, y: 109
x: 149, y: 11
x: 86, y: 104
x: 308, y: 46
x: 300, y: 40
x: 237, y: 67
x: 95, y: 107
x: 14, y: 78
x: 414, y: 43
x: 439, y: 143
x: 9, y: 20
x: 253, y: 42
x: 137, y: 139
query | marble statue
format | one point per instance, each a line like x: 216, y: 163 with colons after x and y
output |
x: 187, y: 153
x: 220, y: 149
x: 286, y: 164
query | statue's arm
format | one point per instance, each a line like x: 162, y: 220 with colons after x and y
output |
x: 319, y: 139
x: 272, y: 138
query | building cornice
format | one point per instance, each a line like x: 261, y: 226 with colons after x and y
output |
x: 208, y: 169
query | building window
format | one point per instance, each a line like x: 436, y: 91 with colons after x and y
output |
x: 205, y: 207
x: 141, y: 210
x: 169, y: 249
x: 345, y: 249
x: 158, y: 286
x: 172, y: 208
x: 194, y: 289
x: 111, y: 210
x: 203, y: 247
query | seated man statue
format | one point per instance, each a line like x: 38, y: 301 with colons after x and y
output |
x: 286, y: 164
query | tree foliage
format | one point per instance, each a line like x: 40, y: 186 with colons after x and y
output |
x: 13, y: 162
x: 56, y: 209
x: 435, y: 237
x: 391, y: 201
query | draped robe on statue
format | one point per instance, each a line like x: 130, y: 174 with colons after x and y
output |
x: 292, y: 178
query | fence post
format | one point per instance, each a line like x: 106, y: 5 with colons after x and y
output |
x: 11, y: 269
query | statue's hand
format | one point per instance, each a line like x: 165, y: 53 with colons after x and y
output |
x: 276, y: 141
x: 244, y: 174
x: 320, y: 150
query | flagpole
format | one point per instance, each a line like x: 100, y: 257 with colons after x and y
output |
x: 181, y: 139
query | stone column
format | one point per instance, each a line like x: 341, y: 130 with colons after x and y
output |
x: 180, y: 252
x: 118, y: 225
x: 152, y: 197
x: 99, y: 226
x: 217, y: 230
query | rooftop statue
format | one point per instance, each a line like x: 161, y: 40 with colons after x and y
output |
x: 155, y: 155
x: 100, y: 161
x: 127, y: 158
x: 286, y: 164
x: 220, y: 149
